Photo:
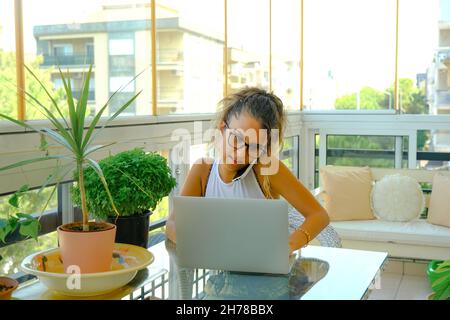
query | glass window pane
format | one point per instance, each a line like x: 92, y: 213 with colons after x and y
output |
x: 8, y: 98
x: 433, y: 147
x: 289, y: 154
x: 432, y: 56
x: 349, y: 54
x: 359, y: 151
x: 31, y: 202
x: 113, y: 36
x: 248, y: 44
x: 417, y: 47
x: 15, y: 253
x: 162, y: 209
x: 286, y: 52
x: 189, y: 49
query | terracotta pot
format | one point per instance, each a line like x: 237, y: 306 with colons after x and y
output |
x: 90, y: 251
x: 10, y: 284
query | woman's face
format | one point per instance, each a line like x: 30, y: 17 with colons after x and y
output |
x: 243, y: 141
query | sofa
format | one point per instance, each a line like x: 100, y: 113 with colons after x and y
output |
x: 416, y: 239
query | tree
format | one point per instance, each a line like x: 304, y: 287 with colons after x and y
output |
x: 411, y: 101
x: 369, y: 99
x: 8, y: 105
x: 8, y: 89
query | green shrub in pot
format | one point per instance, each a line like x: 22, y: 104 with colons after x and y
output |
x: 439, y: 277
x: 138, y: 181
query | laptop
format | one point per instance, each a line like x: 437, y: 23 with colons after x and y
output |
x: 244, y: 235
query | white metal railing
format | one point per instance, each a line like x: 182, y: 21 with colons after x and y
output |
x: 154, y: 134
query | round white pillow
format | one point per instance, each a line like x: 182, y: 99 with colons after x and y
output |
x: 397, y: 198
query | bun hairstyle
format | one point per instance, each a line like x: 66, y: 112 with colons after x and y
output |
x: 264, y: 106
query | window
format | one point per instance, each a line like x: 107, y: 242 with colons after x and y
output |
x: 114, y: 38
x: 121, y: 47
x: 31, y: 202
x: 349, y: 54
x: 115, y: 83
x: 290, y: 153
x: 433, y: 149
x: 248, y: 44
x: 8, y: 98
x: 162, y: 209
x: 372, y: 151
x: 286, y: 52
x: 362, y: 150
x: 63, y: 49
x: 421, y: 58
x: 15, y: 253
x: 189, y: 50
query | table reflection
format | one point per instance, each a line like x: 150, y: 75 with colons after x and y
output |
x: 223, y: 285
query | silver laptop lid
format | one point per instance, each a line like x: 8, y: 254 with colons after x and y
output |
x: 249, y: 235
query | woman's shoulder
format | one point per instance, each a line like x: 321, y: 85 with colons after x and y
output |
x: 202, y: 166
x: 204, y: 162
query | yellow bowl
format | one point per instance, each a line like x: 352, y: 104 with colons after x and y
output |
x: 47, y: 266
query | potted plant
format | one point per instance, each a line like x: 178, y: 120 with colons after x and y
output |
x: 439, y: 277
x: 137, y: 181
x: 87, y: 245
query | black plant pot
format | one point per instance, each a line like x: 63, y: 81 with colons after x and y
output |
x: 132, y: 229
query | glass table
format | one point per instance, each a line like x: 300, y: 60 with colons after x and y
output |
x: 318, y: 273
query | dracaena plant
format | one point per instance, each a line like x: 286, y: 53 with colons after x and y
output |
x: 73, y: 133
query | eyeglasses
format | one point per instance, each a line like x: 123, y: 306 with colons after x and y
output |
x: 237, y: 141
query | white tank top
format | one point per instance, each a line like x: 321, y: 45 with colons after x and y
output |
x: 247, y: 187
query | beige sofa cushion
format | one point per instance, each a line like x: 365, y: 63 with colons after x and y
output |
x: 346, y: 193
x: 439, y: 209
x: 415, y: 232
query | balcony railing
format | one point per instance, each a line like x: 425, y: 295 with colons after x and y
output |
x: 133, y: 131
x: 169, y: 94
x: 169, y: 56
x: 68, y: 60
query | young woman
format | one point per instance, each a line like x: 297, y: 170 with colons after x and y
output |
x: 256, y: 111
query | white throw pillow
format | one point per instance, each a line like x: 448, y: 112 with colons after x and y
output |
x: 397, y: 198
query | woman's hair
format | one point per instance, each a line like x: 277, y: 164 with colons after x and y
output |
x: 264, y: 106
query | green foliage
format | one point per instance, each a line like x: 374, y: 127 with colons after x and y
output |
x: 137, y: 181
x: 411, y: 99
x: 28, y: 225
x: 69, y: 133
x: 439, y: 277
x: 370, y: 99
x: 8, y: 96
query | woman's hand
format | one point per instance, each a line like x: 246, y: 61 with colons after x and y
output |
x: 297, y: 240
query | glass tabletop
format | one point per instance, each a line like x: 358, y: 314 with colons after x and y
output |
x: 318, y: 273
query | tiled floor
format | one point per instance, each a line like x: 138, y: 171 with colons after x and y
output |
x: 402, y: 281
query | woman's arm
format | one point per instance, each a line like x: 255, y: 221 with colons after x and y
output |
x: 192, y: 187
x: 291, y: 189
